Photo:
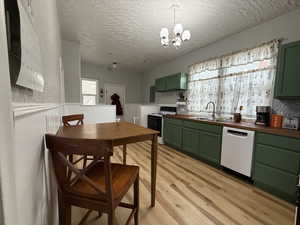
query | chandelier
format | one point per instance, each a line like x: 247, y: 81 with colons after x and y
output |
x: 179, y: 35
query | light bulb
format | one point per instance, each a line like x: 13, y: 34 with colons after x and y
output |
x: 178, y: 29
x: 176, y: 42
x: 186, y: 35
x: 164, y: 33
x: 165, y: 42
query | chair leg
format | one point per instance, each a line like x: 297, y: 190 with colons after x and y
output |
x: 65, y: 214
x: 124, y: 154
x: 84, y: 162
x: 136, y: 200
x: 111, y: 218
x: 71, y: 159
x: 60, y: 209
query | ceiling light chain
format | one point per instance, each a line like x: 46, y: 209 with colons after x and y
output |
x: 179, y: 35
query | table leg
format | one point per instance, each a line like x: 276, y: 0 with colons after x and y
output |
x: 153, y: 169
x: 124, y: 154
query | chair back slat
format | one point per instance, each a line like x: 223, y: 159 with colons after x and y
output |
x: 67, y: 120
x: 61, y: 148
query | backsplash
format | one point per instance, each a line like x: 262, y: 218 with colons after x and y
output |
x: 287, y: 108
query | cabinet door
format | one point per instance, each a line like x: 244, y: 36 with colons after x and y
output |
x: 160, y: 84
x: 172, y: 134
x: 190, y: 141
x: 210, y: 147
x: 276, y: 181
x: 288, y: 73
x: 176, y: 82
x: 173, y: 82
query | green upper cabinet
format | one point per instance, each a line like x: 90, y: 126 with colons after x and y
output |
x: 171, y: 83
x: 288, y: 71
x: 160, y: 84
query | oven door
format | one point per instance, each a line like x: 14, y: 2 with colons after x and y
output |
x: 155, y: 123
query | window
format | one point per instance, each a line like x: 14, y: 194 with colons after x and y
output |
x: 240, y: 79
x: 89, y: 90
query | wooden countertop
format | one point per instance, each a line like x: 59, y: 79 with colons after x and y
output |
x: 243, y: 125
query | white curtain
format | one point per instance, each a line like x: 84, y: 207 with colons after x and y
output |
x: 241, y: 79
x: 203, y: 85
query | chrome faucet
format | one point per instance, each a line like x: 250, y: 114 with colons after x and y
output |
x: 214, y: 109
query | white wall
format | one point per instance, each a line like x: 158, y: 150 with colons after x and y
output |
x: 72, y: 69
x: 286, y: 26
x: 7, y: 170
x: 35, y: 199
x: 35, y: 186
x: 92, y: 114
x: 131, y: 80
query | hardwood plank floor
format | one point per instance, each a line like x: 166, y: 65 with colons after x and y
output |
x: 190, y: 192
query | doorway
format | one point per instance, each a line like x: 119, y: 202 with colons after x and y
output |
x: 115, y: 88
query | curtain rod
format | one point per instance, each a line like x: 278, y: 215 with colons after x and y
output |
x: 239, y: 51
x: 234, y: 74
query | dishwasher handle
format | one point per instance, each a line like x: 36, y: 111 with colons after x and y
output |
x: 237, y: 133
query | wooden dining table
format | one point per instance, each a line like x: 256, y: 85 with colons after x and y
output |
x: 121, y: 134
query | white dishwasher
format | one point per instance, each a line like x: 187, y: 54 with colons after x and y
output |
x: 237, y: 150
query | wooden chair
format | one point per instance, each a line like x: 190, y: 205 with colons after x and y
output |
x: 100, y: 186
x: 79, y: 119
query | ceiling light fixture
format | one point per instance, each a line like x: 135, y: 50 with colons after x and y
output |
x: 112, y: 67
x: 179, y: 35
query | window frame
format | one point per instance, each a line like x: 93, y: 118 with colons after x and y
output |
x: 82, y: 95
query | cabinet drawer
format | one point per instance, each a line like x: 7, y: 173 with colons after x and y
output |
x: 278, y: 141
x: 203, y: 126
x: 177, y: 122
x: 275, y: 179
x: 277, y: 158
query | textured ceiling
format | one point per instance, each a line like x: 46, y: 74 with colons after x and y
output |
x: 128, y: 30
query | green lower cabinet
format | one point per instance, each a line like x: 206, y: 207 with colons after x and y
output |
x: 276, y: 181
x: 173, y: 135
x: 210, y: 147
x: 190, y: 141
x: 202, y: 144
x: 275, y: 157
x: 277, y: 165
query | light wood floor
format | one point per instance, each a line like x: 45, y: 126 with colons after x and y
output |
x: 190, y: 192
